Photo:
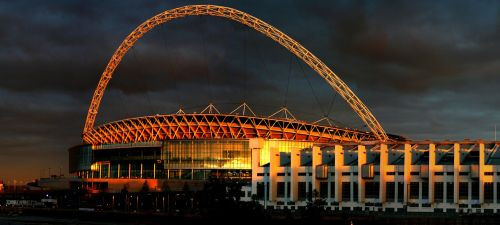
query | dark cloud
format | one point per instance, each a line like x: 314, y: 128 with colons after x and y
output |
x: 427, y: 69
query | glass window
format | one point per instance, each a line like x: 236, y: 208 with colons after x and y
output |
x: 401, y: 191
x: 390, y: 191
x: 414, y: 190
x: 475, y: 190
x: 355, y: 191
x: 323, y: 189
x: 450, y: 190
x: 302, y: 190
x: 425, y: 190
x: 463, y: 190
x: 346, y: 191
x: 372, y: 189
x: 280, y: 189
x: 488, y: 192
x: 438, y: 191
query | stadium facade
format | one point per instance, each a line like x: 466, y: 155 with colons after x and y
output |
x: 192, y: 147
x: 284, y: 162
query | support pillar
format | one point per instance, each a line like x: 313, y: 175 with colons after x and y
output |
x: 255, y: 145
x: 317, y: 159
x: 481, y: 173
x: 129, y: 170
x: 142, y: 168
x: 384, y: 161
x: 294, y: 167
x: 432, y: 168
x: 407, y: 172
x: 274, y: 164
x: 339, y: 163
x: 456, y: 171
x: 361, y: 181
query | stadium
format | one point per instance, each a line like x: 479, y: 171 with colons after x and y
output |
x: 283, y: 161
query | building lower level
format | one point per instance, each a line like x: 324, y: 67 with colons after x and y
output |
x: 408, y: 176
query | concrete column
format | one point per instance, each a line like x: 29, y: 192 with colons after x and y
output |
x: 255, y: 145
x: 118, y: 171
x: 339, y: 163
x: 481, y: 173
x: 495, y: 185
x: 317, y: 159
x: 456, y: 171
x: 274, y: 164
x: 142, y: 167
x: 154, y: 170
x: 432, y: 168
x: 129, y: 170
x: 407, y: 172
x: 361, y: 181
x: 294, y: 167
x: 384, y: 161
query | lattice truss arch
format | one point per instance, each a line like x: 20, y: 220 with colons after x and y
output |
x: 225, y: 12
x: 215, y: 126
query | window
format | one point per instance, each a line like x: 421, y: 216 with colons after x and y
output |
x: 280, y: 189
x: 311, y: 191
x: 288, y: 189
x: 498, y: 192
x: 401, y: 191
x: 346, y: 191
x: 450, y: 190
x: 323, y: 189
x: 390, y: 191
x: 463, y: 191
x: 475, y: 190
x: 425, y: 190
x: 302, y: 190
x: 414, y: 190
x: 438, y: 191
x: 260, y: 190
x: 488, y: 192
x: 332, y: 189
x: 372, y: 189
x: 355, y: 191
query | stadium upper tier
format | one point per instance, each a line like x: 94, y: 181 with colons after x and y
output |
x: 217, y: 126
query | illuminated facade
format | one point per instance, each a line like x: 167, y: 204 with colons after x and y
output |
x: 111, y: 166
x: 371, y: 176
x: 286, y: 162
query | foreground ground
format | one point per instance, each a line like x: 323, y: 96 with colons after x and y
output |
x: 75, y: 217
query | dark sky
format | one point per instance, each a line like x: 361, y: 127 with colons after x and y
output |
x: 426, y: 69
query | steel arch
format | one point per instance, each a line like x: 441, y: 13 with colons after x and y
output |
x: 225, y: 12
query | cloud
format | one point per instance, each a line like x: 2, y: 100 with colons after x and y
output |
x: 427, y: 70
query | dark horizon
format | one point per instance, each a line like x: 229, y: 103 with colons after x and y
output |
x: 427, y: 70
